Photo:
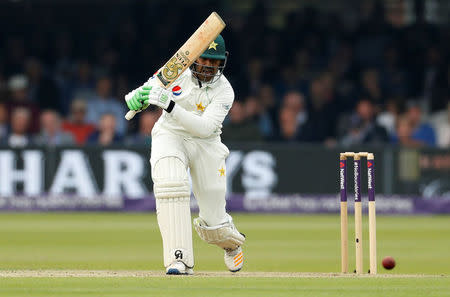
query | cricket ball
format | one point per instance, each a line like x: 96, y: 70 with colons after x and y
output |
x: 388, y: 263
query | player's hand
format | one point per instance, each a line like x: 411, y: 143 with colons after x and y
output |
x: 135, y: 99
x: 157, y: 96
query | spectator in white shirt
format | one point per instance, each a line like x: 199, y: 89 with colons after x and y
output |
x: 20, y: 122
x: 441, y: 123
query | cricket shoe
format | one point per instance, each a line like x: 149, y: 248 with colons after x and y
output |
x: 179, y: 268
x: 234, y: 259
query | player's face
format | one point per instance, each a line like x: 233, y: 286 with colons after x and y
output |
x: 206, y: 68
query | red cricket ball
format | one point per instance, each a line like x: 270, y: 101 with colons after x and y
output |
x: 388, y: 263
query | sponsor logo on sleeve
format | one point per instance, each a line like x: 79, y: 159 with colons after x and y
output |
x: 176, y: 91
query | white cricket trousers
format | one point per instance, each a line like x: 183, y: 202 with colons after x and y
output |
x: 205, y: 159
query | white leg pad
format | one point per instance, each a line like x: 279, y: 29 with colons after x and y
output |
x: 224, y: 235
x: 172, y: 193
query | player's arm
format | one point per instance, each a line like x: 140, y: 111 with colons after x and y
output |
x: 198, y: 125
x: 212, y: 118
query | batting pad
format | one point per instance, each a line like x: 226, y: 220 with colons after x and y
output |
x: 172, y: 193
x: 224, y: 235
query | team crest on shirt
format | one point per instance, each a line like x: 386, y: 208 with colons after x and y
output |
x: 176, y: 91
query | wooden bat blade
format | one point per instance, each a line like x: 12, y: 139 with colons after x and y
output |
x: 188, y: 52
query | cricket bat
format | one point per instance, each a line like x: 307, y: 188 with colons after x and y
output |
x: 188, y: 53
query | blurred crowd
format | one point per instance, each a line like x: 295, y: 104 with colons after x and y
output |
x: 315, y: 79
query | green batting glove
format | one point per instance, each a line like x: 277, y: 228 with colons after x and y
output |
x: 138, y: 100
x: 144, y: 95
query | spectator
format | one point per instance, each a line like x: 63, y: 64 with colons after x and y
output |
x: 103, y: 103
x: 441, y: 123
x: 321, y: 123
x: 77, y: 124
x: 19, y: 97
x: 147, y: 120
x: 83, y: 84
x: 388, y: 117
x: 254, y: 110
x: 51, y: 133
x: 43, y: 88
x: 404, y: 133
x: 18, y: 87
x: 20, y: 122
x: 288, y: 125
x: 252, y: 107
x: 296, y: 102
x: 363, y: 127
x: 106, y: 133
x: 371, y: 87
x: 269, y: 107
x: 422, y: 131
x: 3, y: 122
x: 240, y: 127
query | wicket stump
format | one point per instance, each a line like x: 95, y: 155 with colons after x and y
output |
x: 358, y: 211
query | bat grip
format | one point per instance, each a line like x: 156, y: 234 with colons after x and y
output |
x: 130, y: 114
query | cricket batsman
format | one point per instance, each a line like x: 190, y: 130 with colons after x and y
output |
x: 187, y: 136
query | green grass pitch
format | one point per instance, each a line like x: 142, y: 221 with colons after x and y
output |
x: 286, y: 255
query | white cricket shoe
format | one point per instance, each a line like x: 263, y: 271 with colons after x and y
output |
x: 178, y: 268
x: 234, y: 259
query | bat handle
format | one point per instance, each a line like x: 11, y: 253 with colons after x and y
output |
x: 130, y: 114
